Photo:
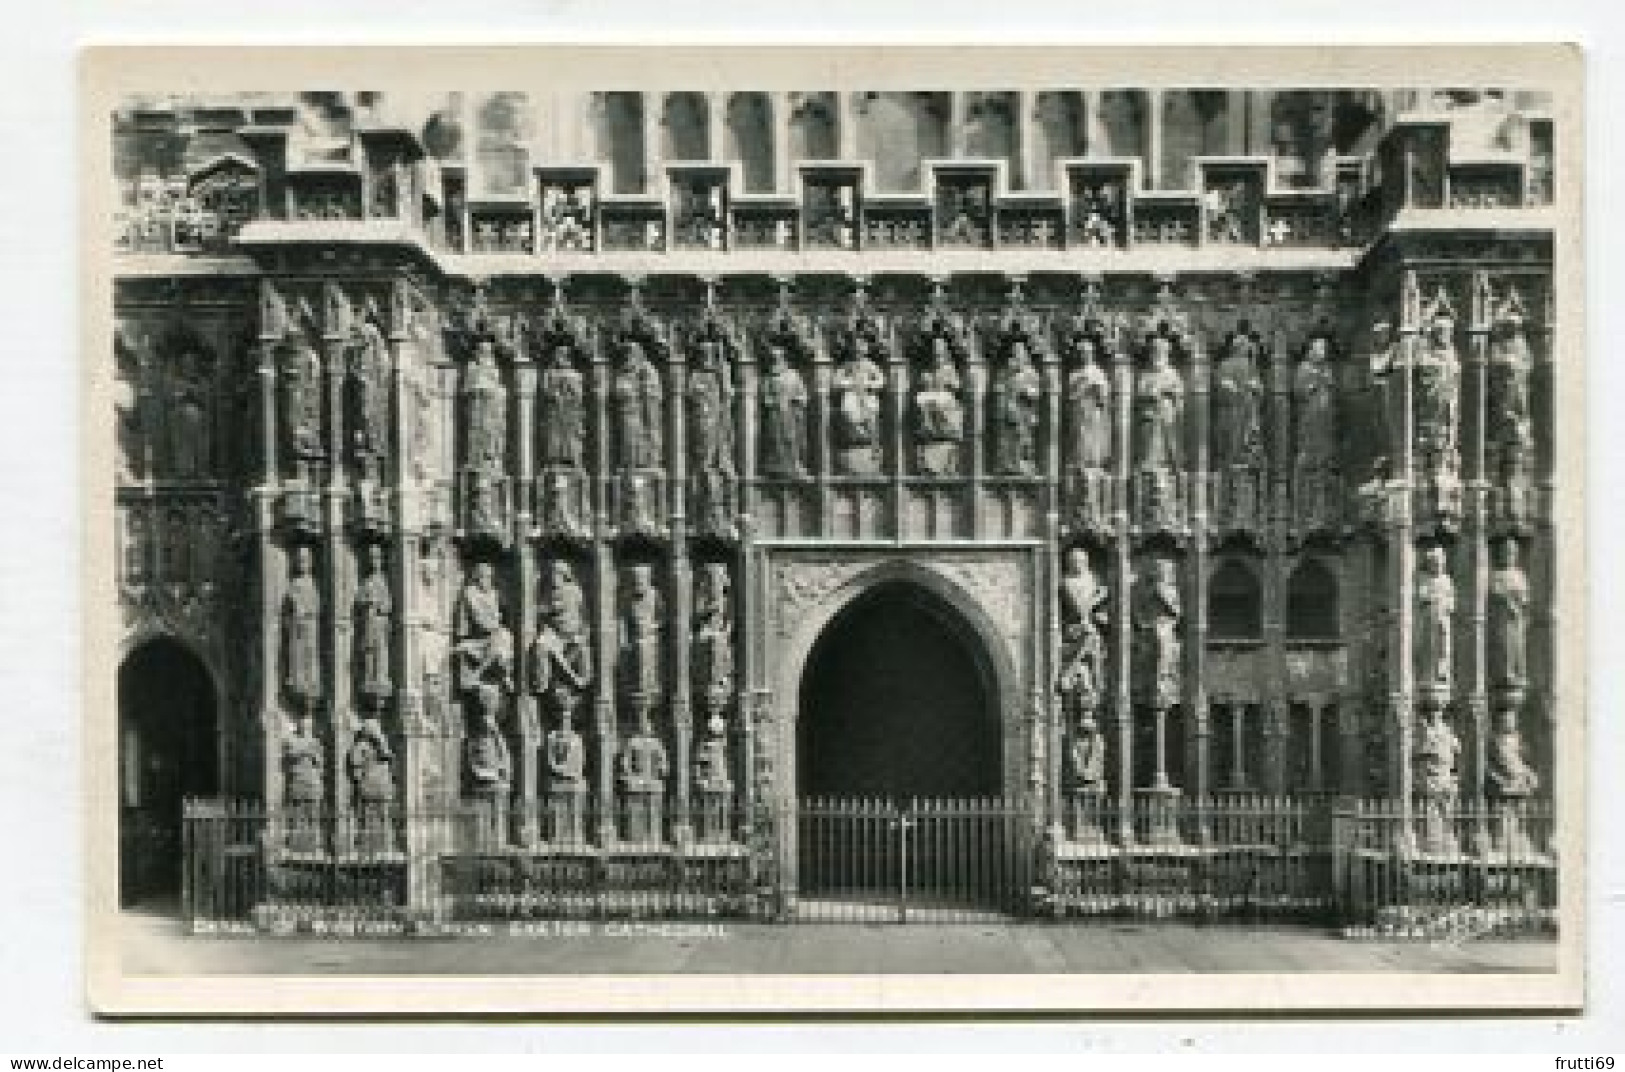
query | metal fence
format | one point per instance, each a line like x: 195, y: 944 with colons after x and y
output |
x: 927, y: 860
x: 1369, y: 868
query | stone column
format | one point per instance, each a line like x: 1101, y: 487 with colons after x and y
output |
x: 1049, y: 451
x: 1153, y: 138
x: 1260, y: 132
x: 1122, y: 583
x: 333, y: 576
x: 1475, y: 530
x: 822, y: 460
x: 974, y: 457
x: 678, y: 630
x: 897, y: 381
x: 531, y: 731
x: 605, y: 579
x: 1276, y: 501
x: 1023, y: 167
x: 654, y: 125
x: 1546, y: 627
x: 1235, y: 123
x: 779, y: 104
x: 716, y: 127
x: 1199, y: 723
x: 846, y: 124
x: 1402, y: 578
x: 264, y: 495
x: 956, y: 125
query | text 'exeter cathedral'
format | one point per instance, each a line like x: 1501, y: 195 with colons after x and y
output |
x: 621, y: 468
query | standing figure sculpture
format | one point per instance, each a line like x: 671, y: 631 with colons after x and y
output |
x: 1016, y: 396
x: 370, y: 766
x: 855, y: 423
x: 1508, y: 623
x: 784, y: 418
x: 713, y: 652
x: 1087, y: 455
x: 1435, y: 614
x: 370, y: 393
x: 642, y: 638
x: 1437, y: 402
x: 1083, y: 649
x: 561, y: 411
x: 302, y: 638
x: 1159, y: 429
x: 191, y: 443
x: 1314, y: 439
x: 1238, y: 433
x: 561, y: 654
x: 1158, y: 610
x: 482, y: 656
x: 939, y: 416
x: 301, y: 410
x: 1509, y: 426
x: 374, y: 631
x: 485, y: 409
x: 637, y: 409
x: 1437, y: 751
x: 710, y: 431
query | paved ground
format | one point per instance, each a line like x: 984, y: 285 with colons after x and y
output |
x: 155, y: 945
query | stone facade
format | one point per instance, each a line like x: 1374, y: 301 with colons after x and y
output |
x: 516, y: 453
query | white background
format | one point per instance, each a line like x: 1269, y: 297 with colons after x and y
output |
x: 42, y: 1008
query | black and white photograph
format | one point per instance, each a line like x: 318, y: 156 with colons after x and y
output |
x: 702, y: 527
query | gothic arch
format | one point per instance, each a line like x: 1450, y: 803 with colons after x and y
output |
x: 1235, y: 601
x: 1312, y: 609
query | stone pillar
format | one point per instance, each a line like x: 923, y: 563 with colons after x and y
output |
x: 1199, y: 718
x: 1122, y: 583
x: 716, y: 127
x: 956, y: 125
x: 846, y: 124
x: 654, y: 155
x: 333, y: 576
x: 1546, y: 626
x: 1475, y: 530
x: 1235, y: 123
x: 897, y: 381
x: 974, y: 457
x: 822, y: 461
x: 531, y: 732
x: 272, y: 725
x: 1276, y: 501
x: 1023, y: 167
x: 678, y: 629
x: 779, y: 104
x: 1260, y: 129
x: 1153, y: 138
x: 605, y: 579
x: 1049, y: 453
x: 1402, y: 559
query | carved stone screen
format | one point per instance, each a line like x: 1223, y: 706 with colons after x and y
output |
x: 526, y: 494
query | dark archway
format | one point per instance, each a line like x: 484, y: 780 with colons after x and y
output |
x: 168, y: 751
x: 898, y: 699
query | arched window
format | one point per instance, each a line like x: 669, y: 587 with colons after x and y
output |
x: 1234, y: 608
x: 1311, y: 603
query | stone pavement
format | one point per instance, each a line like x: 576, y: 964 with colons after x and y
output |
x: 154, y: 945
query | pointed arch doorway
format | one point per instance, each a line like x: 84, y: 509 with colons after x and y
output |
x: 900, y: 764
x: 168, y: 750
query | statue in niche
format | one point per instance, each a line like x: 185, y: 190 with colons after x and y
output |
x: 1508, y: 620
x: 637, y: 404
x: 711, y: 759
x: 713, y: 654
x: 1016, y: 396
x: 375, y: 616
x: 1437, y: 751
x: 1437, y: 379
x: 1508, y: 775
x: 566, y: 756
x: 482, y: 654
x: 644, y: 766
x: 711, y: 440
x: 1158, y: 608
x: 561, y: 411
x: 561, y: 655
x: 1083, y: 648
x: 1159, y: 427
x: 1380, y: 401
x: 1238, y: 430
x: 371, y: 391
x: 1086, y: 757
x: 1510, y: 437
x: 301, y: 376
x: 129, y: 402
x: 784, y: 418
x: 302, y: 638
x: 560, y: 508
x: 1087, y: 420
x: 486, y: 410
x: 190, y: 439
x: 304, y: 778
x: 1314, y: 455
x: 642, y: 635
x: 369, y: 765
x: 939, y: 416
x: 1435, y: 612
x: 855, y: 426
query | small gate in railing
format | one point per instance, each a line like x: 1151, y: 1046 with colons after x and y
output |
x: 917, y: 860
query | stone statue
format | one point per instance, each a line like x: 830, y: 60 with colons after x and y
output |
x: 129, y: 402
x: 1086, y: 456
x: 482, y: 655
x: 642, y: 629
x: 784, y: 418
x: 191, y: 443
x: 1158, y: 608
x: 1083, y: 649
x: 1238, y: 407
x: 1436, y: 754
x: 1435, y: 611
x: 486, y: 412
x: 1379, y: 398
x: 1016, y: 396
x: 939, y: 416
x: 1508, y: 775
x: 643, y: 767
x: 301, y: 375
x: 855, y: 424
x: 1159, y: 429
x: 637, y: 405
x: 371, y: 390
x: 561, y: 411
x: 372, y: 778
x: 1436, y: 400
x: 1508, y: 623
x: 1314, y: 453
x: 374, y: 629
x: 711, y: 773
x: 1086, y: 758
x: 713, y: 653
x: 566, y: 756
x: 302, y: 637
x: 561, y: 655
x: 1509, y: 425
x: 304, y: 778
x: 711, y: 441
